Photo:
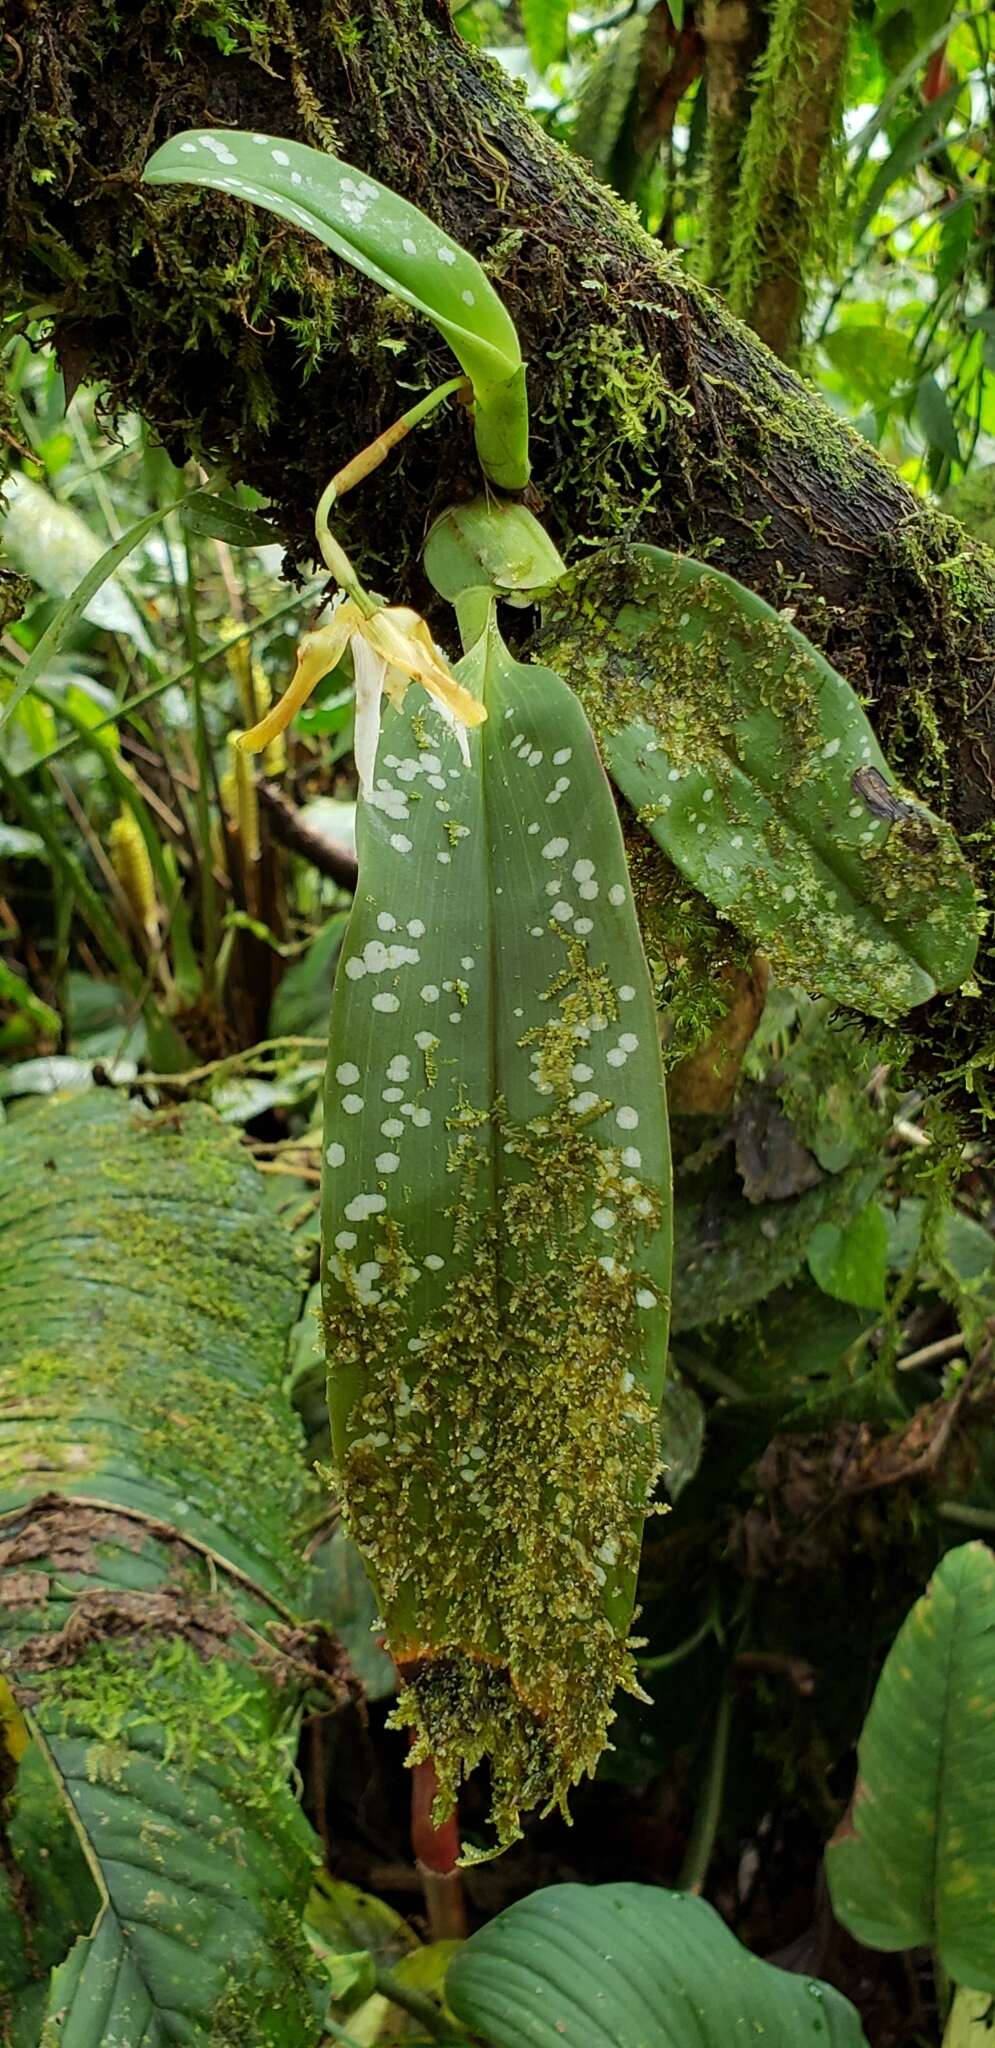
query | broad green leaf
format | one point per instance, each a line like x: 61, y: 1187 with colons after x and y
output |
x: 52, y: 544
x: 848, y: 1260
x: 936, y: 419
x: 729, y: 1252
x: 753, y: 765
x: 150, y: 1484
x: 545, y: 25
x: 631, y: 1966
x: 100, y: 1022
x: 225, y: 519
x: 497, y: 1230
x: 390, y: 241
x: 913, y: 1863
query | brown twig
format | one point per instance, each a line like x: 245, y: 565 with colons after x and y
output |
x: 292, y: 830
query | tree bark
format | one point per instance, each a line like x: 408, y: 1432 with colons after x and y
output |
x: 655, y: 413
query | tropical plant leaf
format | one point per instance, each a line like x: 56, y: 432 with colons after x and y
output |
x: 623, y: 1965
x: 74, y: 607
x: 51, y: 543
x: 390, y: 241
x: 225, y: 519
x: 752, y: 763
x: 730, y: 1253
x: 849, y: 1259
x: 545, y: 25
x: 304, y: 997
x: 913, y: 1862
x: 150, y: 1484
x: 606, y: 92
x: 496, y: 1217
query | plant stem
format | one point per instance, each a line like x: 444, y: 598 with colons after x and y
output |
x: 417, y: 2004
x: 968, y: 1517
x: 362, y: 465
x: 694, y: 1869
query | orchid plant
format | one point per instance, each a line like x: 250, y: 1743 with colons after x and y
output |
x: 497, y: 1195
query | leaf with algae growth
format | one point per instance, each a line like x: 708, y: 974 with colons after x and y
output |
x: 497, y: 1231
x: 156, y: 1861
x: 752, y: 763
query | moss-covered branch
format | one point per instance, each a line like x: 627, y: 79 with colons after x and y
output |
x: 786, y: 169
x: 733, y: 33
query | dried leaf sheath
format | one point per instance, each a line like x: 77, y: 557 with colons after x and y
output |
x: 497, y: 1231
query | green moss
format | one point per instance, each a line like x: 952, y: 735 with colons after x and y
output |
x: 691, y: 952
x: 530, y: 1645
x: 786, y: 200
x: 614, y: 393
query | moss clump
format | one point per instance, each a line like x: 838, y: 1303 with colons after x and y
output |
x: 528, y: 1343
x: 779, y: 233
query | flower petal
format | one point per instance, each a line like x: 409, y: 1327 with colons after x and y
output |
x: 404, y: 640
x: 316, y: 653
x: 370, y: 670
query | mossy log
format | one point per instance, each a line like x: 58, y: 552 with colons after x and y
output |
x: 656, y: 415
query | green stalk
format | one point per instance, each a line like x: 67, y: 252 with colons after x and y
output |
x: 694, y: 1869
x: 202, y: 800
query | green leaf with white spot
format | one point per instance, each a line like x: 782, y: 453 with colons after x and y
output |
x: 632, y: 1966
x: 753, y: 765
x: 497, y: 1230
x: 913, y: 1863
x: 388, y: 240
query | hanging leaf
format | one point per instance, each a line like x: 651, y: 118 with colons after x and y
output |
x: 150, y: 1483
x: 75, y: 607
x: 497, y: 1230
x: 53, y: 545
x: 936, y: 419
x: 218, y: 518
x: 753, y: 765
x: 913, y: 1863
x: 625, y: 1965
x: 388, y: 240
x: 606, y: 93
x: 545, y: 25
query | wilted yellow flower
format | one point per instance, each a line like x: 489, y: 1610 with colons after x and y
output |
x: 391, y: 646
